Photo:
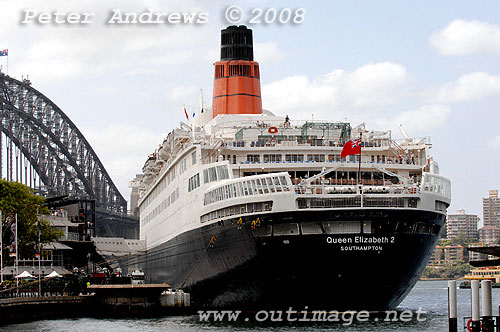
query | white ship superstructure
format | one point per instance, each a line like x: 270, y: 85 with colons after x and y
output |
x: 241, y: 206
x: 233, y: 166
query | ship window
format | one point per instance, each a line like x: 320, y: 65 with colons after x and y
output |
x: 253, y: 158
x: 259, y: 186
x: 367, y: 227
x: 422, y: 228
x: 193, y: 158
x: 311, y: 228
x: 342, y: 227
x: 277, y: 184
x: 294, y: 157
x: 264, y: 230
x: 272, y: 158
x: 212, y: 175
x: 316, y: 157
x: 436, y: 229
x: 286, y: 229
x: 222, y: 172
x: 205, y: 176
x: 245, y: 188
x: 240, y: 189
x: 264, y: 186
x: 254, y: 187
x: 270, y: 183
x: 250, y: 190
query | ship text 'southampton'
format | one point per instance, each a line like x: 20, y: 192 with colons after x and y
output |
x: 245, y: 208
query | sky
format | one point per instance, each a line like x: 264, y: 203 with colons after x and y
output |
x: 431, y: 66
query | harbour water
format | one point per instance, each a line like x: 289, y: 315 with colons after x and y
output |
x: 427, y: 296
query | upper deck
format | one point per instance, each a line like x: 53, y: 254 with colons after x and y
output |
x: 254, y: 145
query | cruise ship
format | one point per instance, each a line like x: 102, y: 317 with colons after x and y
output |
x: 244, y: 208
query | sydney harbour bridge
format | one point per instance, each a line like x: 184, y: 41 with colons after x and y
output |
x: 42, y: 148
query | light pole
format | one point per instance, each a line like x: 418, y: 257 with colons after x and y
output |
x: 39, y: 258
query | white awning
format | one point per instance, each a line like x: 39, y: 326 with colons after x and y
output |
x: 23, y: 275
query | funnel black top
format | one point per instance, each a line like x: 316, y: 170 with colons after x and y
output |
x: 236, y: 43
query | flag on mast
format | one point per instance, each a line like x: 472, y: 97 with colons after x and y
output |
x: 4, y: 52
x: 185, y: 112
x: 352, y: 147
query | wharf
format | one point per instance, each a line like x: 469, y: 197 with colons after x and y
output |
x: 143, y: 299
x: 21, y: 309
x: 104, y: 301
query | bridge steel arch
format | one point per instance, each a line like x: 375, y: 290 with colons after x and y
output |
x: 56, y: 149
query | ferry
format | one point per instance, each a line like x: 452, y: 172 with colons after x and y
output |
x: 247, y: 209
x: 483, y: 273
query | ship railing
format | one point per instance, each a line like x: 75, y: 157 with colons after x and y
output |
x: 365, y: 160
x: 301, y: 142
x: 324, y: 189
x: 282, y: 141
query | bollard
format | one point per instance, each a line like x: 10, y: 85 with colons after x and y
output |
x: 452, y: 306
x: 487, y: 310
x: 476, y: 324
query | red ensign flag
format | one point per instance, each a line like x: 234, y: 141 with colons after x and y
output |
x: 351, y: 147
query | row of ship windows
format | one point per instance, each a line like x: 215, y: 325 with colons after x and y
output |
x: 277, y: 158
x: 209, y: 175
x: 342, y: 202
x: 237, y: 209
x: 310, y: 228
x: 170, y: 199
x: 247, y: 188
x: 345, y: 227
x: 180, y: 168
x: 485, y: 273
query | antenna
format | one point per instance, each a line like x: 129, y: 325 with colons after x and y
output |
x: 201, y: 99
x: 403, y: 132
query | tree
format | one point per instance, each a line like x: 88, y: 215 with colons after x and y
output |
x: 16, y: 198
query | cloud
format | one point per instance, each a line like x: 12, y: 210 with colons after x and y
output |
x: 495, y: 142
x: 471, y: 86
x: 372, y: 85
x: 123, y: 149
x: 55, y: 52
x: 183, y: 94
x: 417, y: 121
x: 462, y: 37
x: 268, y: 52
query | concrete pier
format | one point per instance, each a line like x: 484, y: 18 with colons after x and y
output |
x: 22, y: 309
x: 144, y: 299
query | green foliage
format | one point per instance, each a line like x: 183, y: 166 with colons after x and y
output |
x: 17, y: 198
x: 447, y: 272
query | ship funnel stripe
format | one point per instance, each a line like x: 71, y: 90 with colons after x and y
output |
x: 237, y: 94
x: 255, y: 77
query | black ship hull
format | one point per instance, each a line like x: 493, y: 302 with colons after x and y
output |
x: 272, y: 264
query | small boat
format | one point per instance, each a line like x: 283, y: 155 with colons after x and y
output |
x: 483, y: 273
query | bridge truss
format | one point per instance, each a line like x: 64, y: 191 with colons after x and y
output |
x: 38, y: 132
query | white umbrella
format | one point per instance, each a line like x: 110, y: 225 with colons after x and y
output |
x: 23, y: 275
x: 53, y: 274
